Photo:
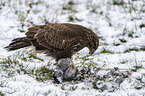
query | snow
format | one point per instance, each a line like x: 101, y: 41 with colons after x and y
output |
x: 97, y: 15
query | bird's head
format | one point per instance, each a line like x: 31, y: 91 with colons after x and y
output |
x: 93, y: 44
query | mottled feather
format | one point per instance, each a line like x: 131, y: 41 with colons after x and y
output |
x: 59, y: 40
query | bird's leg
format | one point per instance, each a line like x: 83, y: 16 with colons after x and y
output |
x: 65, y: 70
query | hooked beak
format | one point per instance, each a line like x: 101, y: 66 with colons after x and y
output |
x: 92, y: 51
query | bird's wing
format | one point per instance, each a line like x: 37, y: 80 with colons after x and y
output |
x: 32, y: 31
x: 57, y: 35
x: 30, y: 35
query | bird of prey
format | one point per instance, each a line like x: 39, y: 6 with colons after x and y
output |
x: 58, y: 40
x: 61, y: 41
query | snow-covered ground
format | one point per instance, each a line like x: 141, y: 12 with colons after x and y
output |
x: 120, y: 25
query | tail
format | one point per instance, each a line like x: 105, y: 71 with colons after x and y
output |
x: 18, y: 43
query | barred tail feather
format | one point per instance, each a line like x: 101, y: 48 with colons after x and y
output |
x: 18, y: 43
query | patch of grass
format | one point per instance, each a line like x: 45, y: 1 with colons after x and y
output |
x: 129, y: 33
x: 94, y: 7
x: 46, y: 93
x: 106, y: 51
x: 2, y: 94
x: 71, y: 88
x: 68, y: 5
x: 28, y: 55
x: 116, y: 44
x: 2, y: 4
x: 22, y: 18
x: 131, y: 49
x: 134, y: 49
x: 138, y: 67
x: 12, y: 65
x: 72, y: 18
x: 108, y: 19
x: 86, y: 61
x: 118, y: 2
x: 122, y: 40
x: 139, y: 83
x: 142, y: 48
x: 42, y: 74
x: 124, y: 61
x: 142, y: 25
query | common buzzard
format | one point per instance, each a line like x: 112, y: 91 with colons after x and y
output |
x: 59, y: 40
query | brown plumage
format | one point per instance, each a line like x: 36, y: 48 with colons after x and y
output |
x: 59, y: 40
